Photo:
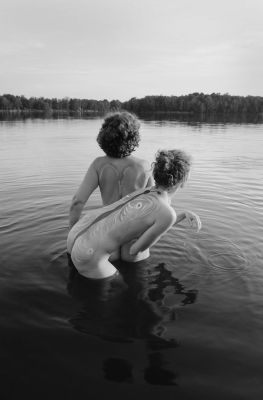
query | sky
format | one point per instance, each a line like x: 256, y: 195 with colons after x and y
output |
x: 119, y: 49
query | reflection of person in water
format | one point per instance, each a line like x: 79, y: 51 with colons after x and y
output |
x: 127, y: 307
x: 130, y: 305
x: 127, y: 228
x: 118, y: 173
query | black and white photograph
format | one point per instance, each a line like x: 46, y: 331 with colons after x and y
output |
x: 131, y: 192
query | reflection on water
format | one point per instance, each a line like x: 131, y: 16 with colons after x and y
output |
x: 155, y: 374
x: 118, y: 370
x: 198, y: 119
x: 23, y: 116
x: 191, y: 119
x: 189, y: 318
x: 134, y: 304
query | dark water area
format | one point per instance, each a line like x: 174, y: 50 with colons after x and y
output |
x: 192, y: 118
x: 188, y: 117
x: 184, y: 324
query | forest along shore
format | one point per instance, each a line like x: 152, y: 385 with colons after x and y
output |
x: 194, y: 103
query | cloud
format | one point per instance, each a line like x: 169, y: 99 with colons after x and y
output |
x: 10, y: 48
x: 120, y: 48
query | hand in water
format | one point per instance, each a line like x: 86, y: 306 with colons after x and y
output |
x: 193, y: 220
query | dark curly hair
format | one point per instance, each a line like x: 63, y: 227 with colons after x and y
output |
x: 171, y: 167
x: 119, y: 134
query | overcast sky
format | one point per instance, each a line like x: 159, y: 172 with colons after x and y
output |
x: 118, y: 49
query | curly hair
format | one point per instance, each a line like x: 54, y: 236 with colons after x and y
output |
x: 119, y: 134
x: 171, y: 167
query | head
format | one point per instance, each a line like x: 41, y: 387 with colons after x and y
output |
x: 119, y: 134
x: 171, y: 169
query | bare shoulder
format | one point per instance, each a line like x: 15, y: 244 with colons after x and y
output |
x: 99, y: 162
x: 166, y: 215
x: 144, y: 164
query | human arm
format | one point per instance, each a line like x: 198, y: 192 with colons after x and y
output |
x: 153, y: 233
x: 192, y: 218
x: 88, y: 185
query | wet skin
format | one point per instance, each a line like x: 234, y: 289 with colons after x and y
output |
x: 127, y: 232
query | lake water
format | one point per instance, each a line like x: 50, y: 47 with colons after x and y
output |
x: 185, y: 324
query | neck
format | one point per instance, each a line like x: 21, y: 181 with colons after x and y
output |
x: 168, y: 191
x: 164, y: 192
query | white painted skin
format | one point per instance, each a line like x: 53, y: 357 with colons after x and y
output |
x: 126, y: 230
x: 132, y: 229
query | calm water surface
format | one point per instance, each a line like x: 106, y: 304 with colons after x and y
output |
x: 186, y: 323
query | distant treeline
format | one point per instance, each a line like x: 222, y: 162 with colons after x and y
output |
x: 195, y: 103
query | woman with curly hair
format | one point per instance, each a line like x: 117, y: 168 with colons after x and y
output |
x: 127, y: 228
x: 118, y: 173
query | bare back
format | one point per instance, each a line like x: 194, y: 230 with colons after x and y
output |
x: 137, y: 223
x: 118, y: 177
